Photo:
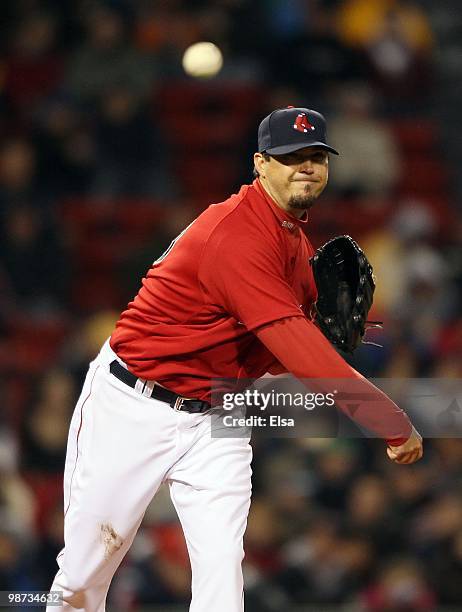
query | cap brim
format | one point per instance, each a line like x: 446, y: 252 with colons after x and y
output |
x: 296, y: 147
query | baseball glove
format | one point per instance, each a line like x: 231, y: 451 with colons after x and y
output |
x: 345, y: 284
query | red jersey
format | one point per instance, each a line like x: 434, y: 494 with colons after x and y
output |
x: 240, y: 265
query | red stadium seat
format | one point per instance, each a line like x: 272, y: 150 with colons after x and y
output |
x: 208, y: 175
x: 96, y: 291
x: 140, y: 218
x: 33, y: 344
x: 203, y: 115
x: 423, y: 176
x: 415, y: 135
x: 130, y: 217
x: 48, y: 492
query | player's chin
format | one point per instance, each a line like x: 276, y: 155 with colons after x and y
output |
x: 304, y: 198
x: 302, y: 202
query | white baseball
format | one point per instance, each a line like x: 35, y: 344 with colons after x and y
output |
x: 202, y: 60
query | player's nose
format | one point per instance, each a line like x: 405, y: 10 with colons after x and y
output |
x: 306, y: 166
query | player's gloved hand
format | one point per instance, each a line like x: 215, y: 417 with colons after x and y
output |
x: 345, y: 285
x: 409, y: 452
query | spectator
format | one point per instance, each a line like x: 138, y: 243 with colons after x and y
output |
x: 33, y: 68
x: 336, y: 469
x: 398, y: 69
x: 33, y: 262
x: 159, y: 572
x: 17, y: 504
x: 315, y: 58
x: 106, y: 59
x: 15, y: 570
x: 427, y: 298
x: 362, y: 21
x: 263, y: 537
x: 369, y: 513
x: 321, y: 566
x: 66, y: 148
x: 397, y: 42
x: 285, y: 480
x: 83, y: 345
x: 46, y: 425
x: 401, y: 585
x: 132, y: 153
x: 371, y: 166
x: 411, y: 489
x: 17, y: 508
x: 440, y: 520
x: 18, y: 177
x: 445, y: 570
x: 48, y: 547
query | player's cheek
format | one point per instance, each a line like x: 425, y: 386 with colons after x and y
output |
x: 322, y: 187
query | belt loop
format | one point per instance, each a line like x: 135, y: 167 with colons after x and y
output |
x: 149, y: 387
x: 140, y: 386
x: 178, y: 403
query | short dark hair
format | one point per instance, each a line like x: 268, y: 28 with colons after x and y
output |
x: 255, y: 171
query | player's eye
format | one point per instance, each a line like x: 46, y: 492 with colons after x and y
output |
x: 319, y: 158
x: 287, y: 159
x: 295, y: 158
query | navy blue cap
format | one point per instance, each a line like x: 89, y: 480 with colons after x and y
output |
x: 288, y: 129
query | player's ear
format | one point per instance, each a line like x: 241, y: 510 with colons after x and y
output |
x: 259, y: 162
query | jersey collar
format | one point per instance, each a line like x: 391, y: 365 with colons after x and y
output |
x: 286, y: 219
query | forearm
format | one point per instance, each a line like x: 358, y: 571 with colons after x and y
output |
x: 302, y: 350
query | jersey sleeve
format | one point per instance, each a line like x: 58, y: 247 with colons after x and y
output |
x: 305, y: 352
x: 245, y: 276
x: 277, y: 368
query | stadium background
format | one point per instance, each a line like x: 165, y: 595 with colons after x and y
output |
x: 108, y: 150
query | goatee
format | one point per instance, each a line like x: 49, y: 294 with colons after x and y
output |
x: 303, y: 202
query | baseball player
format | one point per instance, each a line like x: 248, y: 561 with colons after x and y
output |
x: 229, y: 299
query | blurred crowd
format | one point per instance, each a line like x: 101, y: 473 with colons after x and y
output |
x: 108, y: 150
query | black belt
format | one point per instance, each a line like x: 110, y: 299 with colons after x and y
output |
x: 159, y: 393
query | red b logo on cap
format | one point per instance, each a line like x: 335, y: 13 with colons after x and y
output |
x: 302, y: 124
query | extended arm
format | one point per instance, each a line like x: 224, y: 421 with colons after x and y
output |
x: 304, y: 351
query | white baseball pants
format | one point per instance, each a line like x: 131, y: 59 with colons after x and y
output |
x: 122, y: 446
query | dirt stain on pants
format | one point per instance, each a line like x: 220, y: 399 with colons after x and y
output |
x: 111, y: 540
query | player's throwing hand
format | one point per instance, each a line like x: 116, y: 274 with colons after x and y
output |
x: 409, y: 452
